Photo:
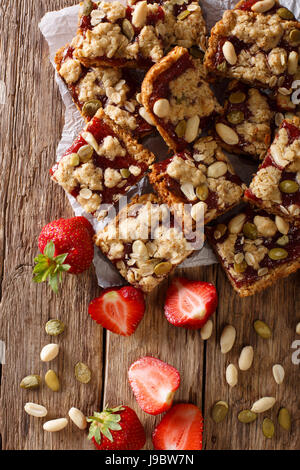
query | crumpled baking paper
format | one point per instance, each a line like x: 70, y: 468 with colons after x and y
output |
x: 58, y: 28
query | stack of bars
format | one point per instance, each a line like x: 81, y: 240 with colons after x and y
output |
x: 148, y: 66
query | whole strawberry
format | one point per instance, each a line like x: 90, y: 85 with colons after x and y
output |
x: 66, y: 246
x: 117, y: 429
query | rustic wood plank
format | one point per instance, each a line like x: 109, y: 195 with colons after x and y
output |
x: 276, y: 306
x: 31, y: 123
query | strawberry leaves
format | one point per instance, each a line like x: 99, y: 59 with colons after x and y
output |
x: 48, y: 266
x: 104, y: 422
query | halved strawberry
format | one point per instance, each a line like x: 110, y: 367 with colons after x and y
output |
x: 153, y: 383
x: 119, y: 310
x: 189, y: 304
x: 180, y: 429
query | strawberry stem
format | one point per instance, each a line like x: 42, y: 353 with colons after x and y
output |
x: 104, y: 422
x: 48, y: 266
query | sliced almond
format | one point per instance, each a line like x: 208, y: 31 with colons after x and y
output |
x: 236, y: 224
x: 229, y: 53
x: 228, y: 135
x: 263, y: 6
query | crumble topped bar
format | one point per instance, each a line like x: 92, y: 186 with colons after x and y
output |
x: 115, y: 90
x: 267, y: 7
x: 259, y: 49
x: 202, y: 179
x: 245, y: 126
x: 139, y: 34
x: 276, y: 185
x: 179, y: 100
x: 142, y: 243
x: 255, y: 249
x: 103, y: 163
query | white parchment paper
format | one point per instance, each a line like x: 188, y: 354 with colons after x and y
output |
x: 58, y: 28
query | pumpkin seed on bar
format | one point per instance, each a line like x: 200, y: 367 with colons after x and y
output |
x: 289, y: 186
x: 125, y: 173
x: 235, y: 117
x: 240, y: 267
x: 247, y: 416
x: 268, y: 428
x: 82, y: 373
x: 87, y: 7
x: 282, y: 241
x: 295, y: 36
x: 180, y: 129
x: 163, y: 268
x: 284, y: 419
x: 52, y: 381
x: 85, y: 153
x: 196, y: 52
x: 222, y: 67
x: 285, y: 14
x: 91, y: 107
x: 183, y: 14
x: 277, y: 254
x: 128, y: 29
x: 250, y: 231
x: 74, y: 159
x: 262, y: 329
x: 31, y: 382
x: 237, y: 97
x: 219, y: 411
x: 54, y: 327
x: 202, y: 192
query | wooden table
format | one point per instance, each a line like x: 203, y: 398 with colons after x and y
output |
x: 31, y: 123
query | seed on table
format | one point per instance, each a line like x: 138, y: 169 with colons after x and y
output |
x: 82, y: 373
x: 31, y: 382
x: 227, y: 339
x: 206, y: 330
x: 54, y: 327
x: 219, y: 411
x: 49, y: 352
x: 262, y: 329
x: 247, y: 416
x: 231, y: 375
x: 278, y: 373
x: 298, y: 329
x: 78, y: 418
x: 33, y: 409
x: 284, y: 419
x: 263, y: 404
x: 246, y: 358
x: 52, y: 381
x: 55, y: 425
x: 268, y: 428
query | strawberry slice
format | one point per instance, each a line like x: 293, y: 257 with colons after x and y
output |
x: 119, y: 310
x: 153, y: 383
x: 189, y: 304
x: 180, y: 429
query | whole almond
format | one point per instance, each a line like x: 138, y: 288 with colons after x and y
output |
x: 263, y: 6
x: 55, y: 425
x: 229, y: 53
x: 206, y: 330
x: 231, y: 375
x: 246, y: 358
x: 228, y: 135
x: 78, y: 418
x: 33, y: 409
x: 263, y: 404
x: 227, y: 339
x: 278, y: 373
x: 49, y: 352
x: 298, y: 328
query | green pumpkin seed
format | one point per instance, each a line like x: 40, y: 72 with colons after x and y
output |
x: 285, y: 14
x: 277, y: 254
x: 235, y: 117
x: 295, y: 36
x: 74, y: 159
x: 196, y: 52
x: 87, y: 7
x: 219, y: 411
x: 262, y: 329
x: 128, y: 29
x: 240, y: 267
x: 31, y: 382
x: 222, y: 67
x: 289, y: 186
x: 282, y: 241
x: 85, y: 153
x: 54, y: 327
x: 52, y: 381
x: 91, y: 107
x: 183, y: 15
x: 247, y: 416
x: 82, y: 373
x: 237, y: 97
x: 202, y: 192
x: 125, y: 173
x: 284, y: 419
x: 163, y: 268
x: 268, y: 428
x: 250, y: 231
x: 180, y: 129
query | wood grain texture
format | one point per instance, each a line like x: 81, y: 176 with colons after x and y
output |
x: 30, y: 127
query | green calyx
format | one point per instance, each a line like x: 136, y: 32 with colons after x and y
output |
x: 49, y: 267
x: 104, y: 422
